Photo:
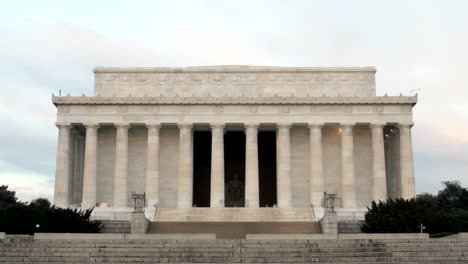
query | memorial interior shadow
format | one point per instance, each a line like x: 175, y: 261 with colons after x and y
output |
x: 267, y: 167
x: 201, y: 168
x: 234, y: 168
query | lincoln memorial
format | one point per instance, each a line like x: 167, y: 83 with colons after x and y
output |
x: 233, y: 143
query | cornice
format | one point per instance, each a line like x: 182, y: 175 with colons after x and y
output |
x: 231, y: 68
x: 99, y: 100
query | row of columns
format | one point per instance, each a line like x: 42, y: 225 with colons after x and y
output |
x: 185, y: 165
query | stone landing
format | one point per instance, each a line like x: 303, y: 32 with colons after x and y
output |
x: 264, y: 214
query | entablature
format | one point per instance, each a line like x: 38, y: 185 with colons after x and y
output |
x: 276, y: 100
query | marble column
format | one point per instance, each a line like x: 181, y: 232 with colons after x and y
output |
x: 217, y: 166
x: 62, y: 170
x: 283, y: 163
x: 316, y: 165
x: 121, y: 166
x: 378, y: 163
x: 252, y: 196
x: 406, y: 162
x: 348, y: 195
x: 152, y: 165
x: 185, y: 180
x: 90, y: 163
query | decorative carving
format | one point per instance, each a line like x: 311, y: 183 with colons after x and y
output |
x: 367, y: 103
x: 109, y: 77
x: 139, y: 202
x: 144, y: 78
x: 125, y: 77
x: 329, y: 201
x: 163, y: 78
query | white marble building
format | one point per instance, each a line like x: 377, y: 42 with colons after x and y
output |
x: 233, y: 143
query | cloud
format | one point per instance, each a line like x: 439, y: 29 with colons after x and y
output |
x: 28, y: 184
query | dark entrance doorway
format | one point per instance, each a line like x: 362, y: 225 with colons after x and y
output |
x: 201, y: 168
x: 267, y: 167
x: 234, y: 168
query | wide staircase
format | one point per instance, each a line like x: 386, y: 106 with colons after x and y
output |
x: 25, y: 249
x: 234, y: 223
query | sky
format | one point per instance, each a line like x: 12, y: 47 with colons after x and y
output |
x: 47, y: 46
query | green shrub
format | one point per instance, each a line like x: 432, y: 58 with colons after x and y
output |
x: 40, y: 216
x: 445, y: 212
x: 26, y: 219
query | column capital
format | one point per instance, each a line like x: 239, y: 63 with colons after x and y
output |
x: 63, y: 124
x: 217, y: 125
x: 283, y: 125
x: 122, y: 125
x: 251, y: 125
x: 378, y: 124
x: 405, y: 124
x: 315, y: 125
x: 153, y: 125
x: 185, y: 125
x: 91, y: 125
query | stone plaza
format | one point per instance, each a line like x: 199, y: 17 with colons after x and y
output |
x: 233, y: 143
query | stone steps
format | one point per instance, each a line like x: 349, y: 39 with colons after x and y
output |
x: 21, y: 250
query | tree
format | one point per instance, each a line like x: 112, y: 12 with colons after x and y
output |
x: 453, y: 195
x: 7, y: 197
x: 40, y: 202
